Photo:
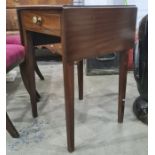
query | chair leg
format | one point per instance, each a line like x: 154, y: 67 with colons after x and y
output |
x: 80, y: 78
x: 29, y: 63
x: 25, y: 81
x: 37, y: 70
x: 122, y: 84
x: 10, y: 128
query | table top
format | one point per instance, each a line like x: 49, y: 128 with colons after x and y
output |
x: 60, y: 7
x: 85, y: 31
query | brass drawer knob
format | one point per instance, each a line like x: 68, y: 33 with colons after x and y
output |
x: 36, y: 20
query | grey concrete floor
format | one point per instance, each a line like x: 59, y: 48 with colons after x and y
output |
x: 96, y: 129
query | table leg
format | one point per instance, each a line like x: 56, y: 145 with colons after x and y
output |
x: 122, y: 84
x: 29, y: 58
x: 80, y: 78
x: 69, y: 102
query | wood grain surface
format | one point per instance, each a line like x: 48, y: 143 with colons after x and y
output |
x: 15, y: 3
x: 94, y: 31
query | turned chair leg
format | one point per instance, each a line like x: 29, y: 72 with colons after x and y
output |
x: 80, y: 78
x: 10, y: 128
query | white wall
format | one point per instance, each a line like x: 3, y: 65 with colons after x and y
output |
x: 98, y: 2
x: 78, y: 2
x: 142, y: 6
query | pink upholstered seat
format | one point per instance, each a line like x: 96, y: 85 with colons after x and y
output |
x: 16, y: 40
x: 13, y: 39
x: 14, y: 54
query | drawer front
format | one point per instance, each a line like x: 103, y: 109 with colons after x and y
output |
x: 39, y: 21
x: 14, y: 3
x: 11, y: 19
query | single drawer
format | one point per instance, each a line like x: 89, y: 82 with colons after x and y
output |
x: 11, y: 19
x: 39, y: 21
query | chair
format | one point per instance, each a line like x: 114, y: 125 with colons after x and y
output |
x: 15, y: 39
x: 15, y: 55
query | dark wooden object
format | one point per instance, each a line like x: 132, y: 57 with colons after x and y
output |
x: 10, y: 128
x: 85, y: 32
x: 12, y: 20
x: 23, y: 70
x: 11, y: 16
x: 104, y: 65
x: 80, y: 79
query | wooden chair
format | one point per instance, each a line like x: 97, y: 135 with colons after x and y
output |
x: 15, y: 55
x: 15, y: 39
